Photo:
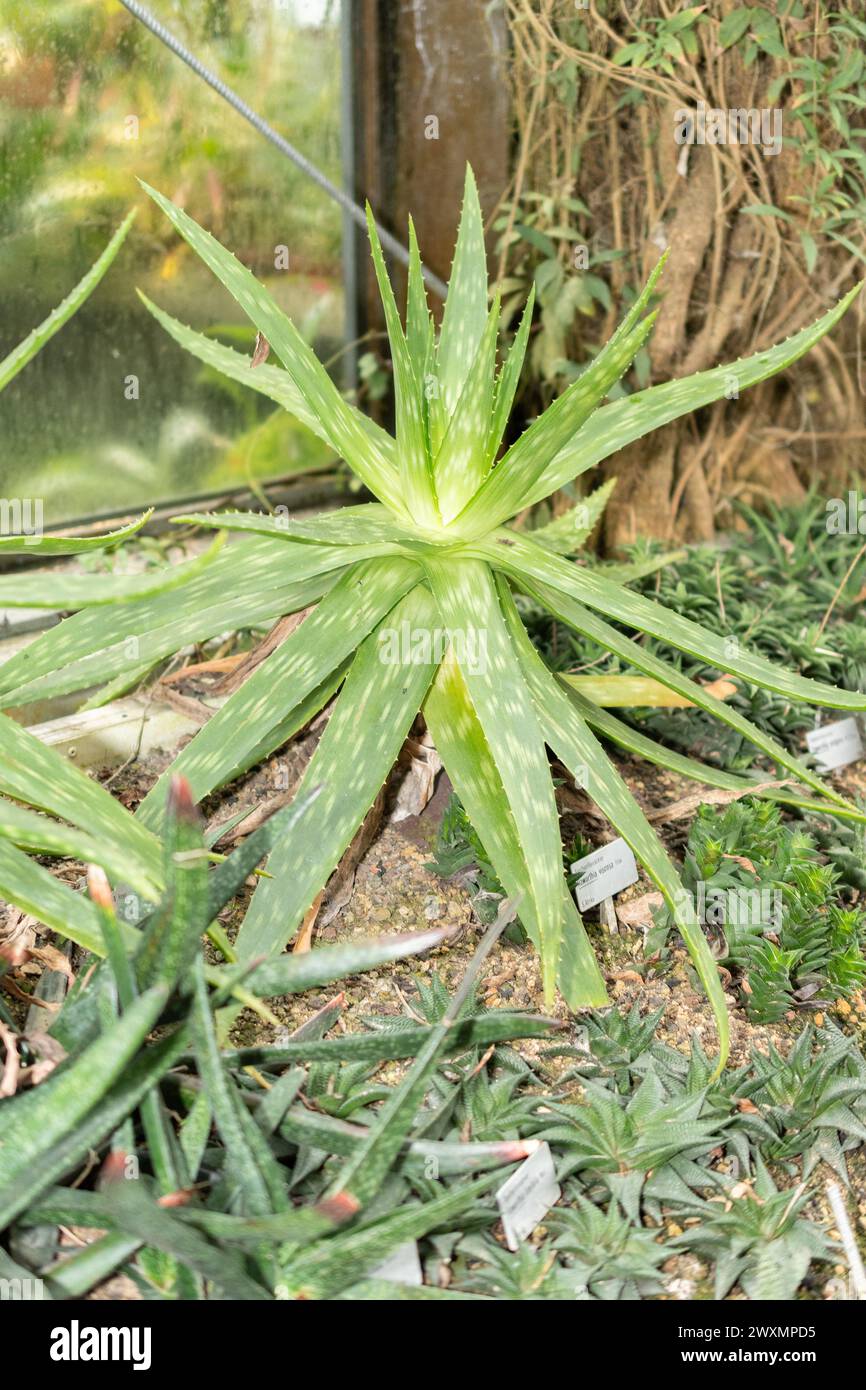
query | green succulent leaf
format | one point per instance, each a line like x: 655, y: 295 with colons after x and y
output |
x: 460, y: 738
x: 41, y: 835
x: 271, y: 381
x: 583, y: 755
x: 632, y: 417
x: 567, y: 533
x: 39, y: 893
x: 373, y: 714
x: 461, y: 461
x: 35, y: 341
x: 300, y: 664
x: 87, y: 591
x: 247, y: 584
x: 412, y: 446
x: 36, y: 774
x: 468, y: 604
x: 593, y: 626
x: 507, y: 383
x: 503, y: 491
x: 43, y: 1116
x: 340, y: 423
x: 413, y: 610
x: 70, y: 545
x: 465, y: 312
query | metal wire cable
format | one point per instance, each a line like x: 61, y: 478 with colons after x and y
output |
x: 389, y: 242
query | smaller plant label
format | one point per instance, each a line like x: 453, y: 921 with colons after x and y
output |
x: 403, y: 1265
x: 527, y: 1196
x: 835, y: 745
x: 603, y: 873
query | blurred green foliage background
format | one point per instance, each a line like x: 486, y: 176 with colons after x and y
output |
x: 89, y: 101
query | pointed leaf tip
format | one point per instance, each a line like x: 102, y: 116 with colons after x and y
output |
x: 98, y: 887
x: 180, y: 800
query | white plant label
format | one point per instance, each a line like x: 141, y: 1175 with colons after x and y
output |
x: 835, y: 745
x: 403, y: 1266
x: 603, y: 873
x: 527, y: 1196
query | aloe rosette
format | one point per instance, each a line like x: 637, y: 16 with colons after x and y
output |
x: 415, y: 607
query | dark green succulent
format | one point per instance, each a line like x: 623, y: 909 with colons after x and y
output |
x: 618, y: 1141
x: 612, y: 1256
x: 758, y: 1239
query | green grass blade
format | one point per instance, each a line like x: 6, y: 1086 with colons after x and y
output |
x: 583, y: 755
x: 465, y: 310
x: 623, y: 421
x: 339, y: 420
x: 416, y: 473
x: 463, y: 747
x: 21, y: 355
x: 297, y: 667
x: 461, y: 461
x: 468, y: 604
x: 372, y: 716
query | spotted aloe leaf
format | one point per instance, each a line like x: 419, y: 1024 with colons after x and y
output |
x: 632, y: 417
x: 465, y: 311
x: 461, y: 466
x: 339, y: 423
x: 574, y: 743
x: 403, y: 589
x: 465, y: 594
x: 412, y: 442
x: 372, y: 717
x: 457, y: 733
x: 69, y: 591
x: 568, y: 532
x: 360, y: 600
x: 35, y: 341
x: 36, y: 774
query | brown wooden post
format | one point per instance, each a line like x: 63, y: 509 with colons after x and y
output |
x: 430, y: 94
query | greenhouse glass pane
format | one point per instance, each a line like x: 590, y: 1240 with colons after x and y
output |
x: 112, y: 414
